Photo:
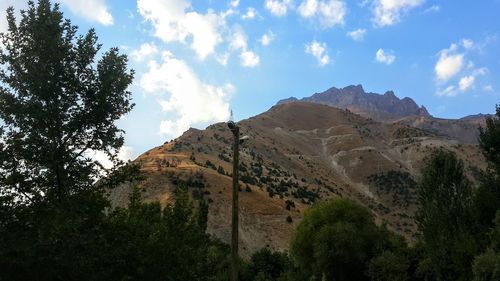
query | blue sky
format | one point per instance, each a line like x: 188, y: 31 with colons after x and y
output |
x: 196, y: 60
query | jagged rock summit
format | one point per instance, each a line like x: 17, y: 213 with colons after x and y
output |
x: 301, y: 152
x: 297, y: 153
x: 386, y: 107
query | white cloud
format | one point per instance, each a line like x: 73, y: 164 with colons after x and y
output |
x: 480, y: 71
x: 308, y: 8
x: 93, y: 10
x: 125, y: 154
x: 383, y: 57
x: 239, y: 42
x: 488, y: 88
x: 432, y: 9
x: 452, y: 63
x: 318, y: 50
x: 238, y: 39
x: 250, y: 14
x: 234, y: 3
x: 364, y: 3
x: 467, y: 43
x: 449, y: 63
x: 222, y: 59
x: 267, y: 38
x: 227, y: 13
x: 328, y: 12
x: 357, y: 34
x: 466, y: 82
x: 145, y: 51
x: 173, y: 21
x: 449, y: 91
x: 249, y: 59
x: 389, y: 12
x: 182, y: 93
x: 278, y: 8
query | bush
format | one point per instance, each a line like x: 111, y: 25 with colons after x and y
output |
x: 335, y: 240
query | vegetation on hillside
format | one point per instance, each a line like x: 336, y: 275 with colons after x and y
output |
x: 57, y: 104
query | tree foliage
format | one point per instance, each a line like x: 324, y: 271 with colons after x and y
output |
x: 489, y: 140
x: 487, y: 196
x: 389, y: 266
x: 59, y: 100
x: 57, y: 103
x: 267, y: 265
x: 140, y: 242
x: 336, y: 240
x: 445, y: 217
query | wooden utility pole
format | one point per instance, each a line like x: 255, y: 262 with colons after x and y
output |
x: 236, y: 188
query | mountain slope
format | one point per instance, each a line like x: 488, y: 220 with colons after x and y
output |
x: 298, y: 153
x: 390, y: 109
x: 386, y: 107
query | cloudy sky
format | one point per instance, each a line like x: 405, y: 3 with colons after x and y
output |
x: 197, y: 60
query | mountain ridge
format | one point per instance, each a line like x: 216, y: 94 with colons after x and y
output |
x: 389, y: 108
x: 297, y: 153
x: 381, y: 107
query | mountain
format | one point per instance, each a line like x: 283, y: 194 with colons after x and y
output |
x: 477, y: 117
x: 297, y: 153
x: 390, y: 109
x: 386, y: 107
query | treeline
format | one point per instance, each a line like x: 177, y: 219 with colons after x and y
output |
x: 458, y: 223
x: 58, y: 104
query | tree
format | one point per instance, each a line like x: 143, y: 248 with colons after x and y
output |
x: 389, y: 266
x: 56, y: 105
x: 267, y: 265
x: 487, y: 265
x: 444, y: 217
x: 168, y: 244
x: 335, y: 240
x: 489, y: 140
x: 487, y: 196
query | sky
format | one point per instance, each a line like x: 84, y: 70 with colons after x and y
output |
x: 195, y: 61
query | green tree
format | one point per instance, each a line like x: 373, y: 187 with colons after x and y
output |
x: 335, y: 240
x: 389, y: 266
x: 487, y: 265
x: 444, y: 217
x: 57, y: 103
x: 45, y: 241
x: 267, y: 265
x: 167, y: 244
x: 489, y: 140
x: 487, y: 196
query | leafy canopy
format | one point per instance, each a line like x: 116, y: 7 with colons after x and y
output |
x: 445, y: 217
x: 57, y: 104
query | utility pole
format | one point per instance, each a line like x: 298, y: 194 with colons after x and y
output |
x: 234, y: 226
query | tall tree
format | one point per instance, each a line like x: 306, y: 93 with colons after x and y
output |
x: 444, y: 217
x: 487, y: 196
x: 489, y: 140
x: 487, y: 265
x: 335, y: 240
x: 57, y: 103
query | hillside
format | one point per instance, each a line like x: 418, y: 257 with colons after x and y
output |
x: 389, y: 108
x: 298, y: 153
x: 386, y: 107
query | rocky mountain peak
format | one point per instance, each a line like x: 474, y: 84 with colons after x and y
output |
x: 390, y: 94
x: 386, y: 107
x: 354, y: 89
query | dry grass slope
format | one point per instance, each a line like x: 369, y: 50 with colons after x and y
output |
x: 297, y: 153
